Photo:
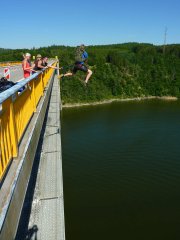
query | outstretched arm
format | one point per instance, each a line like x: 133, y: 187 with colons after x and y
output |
x: 54, y: 67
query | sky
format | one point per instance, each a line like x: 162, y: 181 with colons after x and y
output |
x: 28, y: 24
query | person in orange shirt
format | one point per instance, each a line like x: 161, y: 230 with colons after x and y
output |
x: 26, y: 65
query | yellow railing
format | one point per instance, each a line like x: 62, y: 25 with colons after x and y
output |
x: 6, y: 64
x: 15, y: 113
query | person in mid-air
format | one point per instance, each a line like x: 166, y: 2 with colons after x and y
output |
x: 81, y: 57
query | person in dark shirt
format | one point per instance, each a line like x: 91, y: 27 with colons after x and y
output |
x: 5, y: 84
x: 38, y: 64
x: 45, y: 63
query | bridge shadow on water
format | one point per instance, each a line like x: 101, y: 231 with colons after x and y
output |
x: 24, y: 232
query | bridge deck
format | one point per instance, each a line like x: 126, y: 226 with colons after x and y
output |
x: 47, y: 211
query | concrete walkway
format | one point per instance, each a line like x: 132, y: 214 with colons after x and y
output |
x: 47, y: 211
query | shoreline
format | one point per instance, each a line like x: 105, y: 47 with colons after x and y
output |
x: 108, y: 101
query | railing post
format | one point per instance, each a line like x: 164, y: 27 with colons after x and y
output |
x: 42, y: 82
x: 8, y: 106
x: 33, y: 96
x: 1, y: 159
x: 58, y: 72
x: 14, y: 130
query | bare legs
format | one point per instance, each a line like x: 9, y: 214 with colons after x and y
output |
x: 88, y: 75
x: 68, y: 74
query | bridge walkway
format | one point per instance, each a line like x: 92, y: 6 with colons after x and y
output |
x: 46, y: 217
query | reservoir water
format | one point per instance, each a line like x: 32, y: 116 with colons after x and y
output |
x: 121, y: 166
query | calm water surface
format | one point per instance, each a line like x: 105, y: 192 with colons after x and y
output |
x: 121, y: 165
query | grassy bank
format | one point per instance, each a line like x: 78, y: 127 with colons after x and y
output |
x: 165, y: 98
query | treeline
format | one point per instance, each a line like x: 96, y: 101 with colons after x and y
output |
x: 120, y: 71
x: 126, y: 71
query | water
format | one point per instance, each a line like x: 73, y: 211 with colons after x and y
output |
x: 121, y: 166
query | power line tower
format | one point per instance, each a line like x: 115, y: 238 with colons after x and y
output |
x: 165, y: 40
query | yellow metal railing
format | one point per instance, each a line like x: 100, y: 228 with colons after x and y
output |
x: 9, y: 64
x: 15, y: 113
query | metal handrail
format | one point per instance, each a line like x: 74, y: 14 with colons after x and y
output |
x: 9, y: 64
x: 16, y: 111
x: 11, y: 91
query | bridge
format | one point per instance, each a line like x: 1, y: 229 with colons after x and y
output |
x: 30, y: 157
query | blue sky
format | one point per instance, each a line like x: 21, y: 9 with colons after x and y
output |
x: 27, y: 24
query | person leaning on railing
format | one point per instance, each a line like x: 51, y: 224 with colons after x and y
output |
x: 38, y: 64
x: 45, y: 63
x: 26, y: 65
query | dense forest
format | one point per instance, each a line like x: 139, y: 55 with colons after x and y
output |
x: 119, y: 71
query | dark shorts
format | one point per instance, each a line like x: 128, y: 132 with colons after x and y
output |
x: 79, y: 67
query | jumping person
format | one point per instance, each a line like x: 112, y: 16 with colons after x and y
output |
x: 80, y: 60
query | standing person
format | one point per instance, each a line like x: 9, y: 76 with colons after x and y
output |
x: 81, y: 57
x: 38, y: 64
x: 26, y: 65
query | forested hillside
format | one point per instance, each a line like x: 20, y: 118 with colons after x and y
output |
x: 119, y: 71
